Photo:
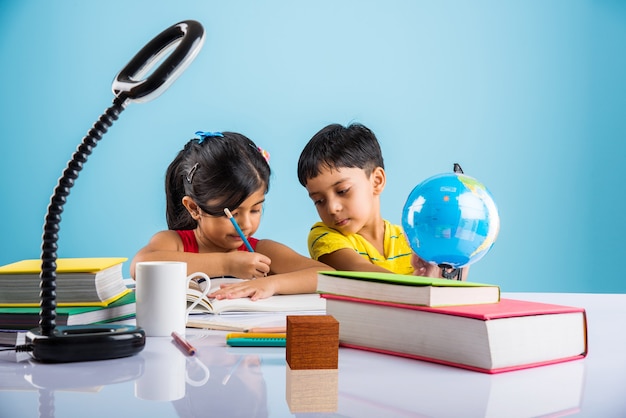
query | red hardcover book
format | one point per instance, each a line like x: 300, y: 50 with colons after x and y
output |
x: 489, y: 338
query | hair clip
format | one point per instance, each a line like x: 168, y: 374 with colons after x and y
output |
x: 204, y: 135
x: 265, y: 154
x: 191, y: 173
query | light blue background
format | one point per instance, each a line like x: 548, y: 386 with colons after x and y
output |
x: 528, y: 96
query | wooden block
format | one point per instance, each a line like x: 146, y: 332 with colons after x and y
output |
x: 312, y: 342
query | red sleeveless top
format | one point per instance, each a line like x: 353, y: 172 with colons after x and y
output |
x: 190, y: 245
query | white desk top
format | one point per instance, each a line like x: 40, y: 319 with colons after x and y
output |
x: 254, y: 382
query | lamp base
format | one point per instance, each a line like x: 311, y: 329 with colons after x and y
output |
x: 85, y: 343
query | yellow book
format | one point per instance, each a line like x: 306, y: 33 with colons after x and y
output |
x: 93, y: 281
x: 64, y: 265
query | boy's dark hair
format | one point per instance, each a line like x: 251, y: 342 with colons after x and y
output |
x: 337, y: 146
x: 217, y: 172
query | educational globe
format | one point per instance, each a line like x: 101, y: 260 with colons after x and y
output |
x: 451, y: 220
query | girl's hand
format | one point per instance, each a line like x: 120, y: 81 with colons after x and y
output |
x: 254, y: 289
x: 245, y: 265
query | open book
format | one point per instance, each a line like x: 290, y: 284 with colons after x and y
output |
x: 278, y: 303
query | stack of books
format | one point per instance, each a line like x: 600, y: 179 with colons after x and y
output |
x: 461, y: 324
x: 88, y: 291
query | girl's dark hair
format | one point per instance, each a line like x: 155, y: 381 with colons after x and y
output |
x: 337, y: 146
x: 217, y: 172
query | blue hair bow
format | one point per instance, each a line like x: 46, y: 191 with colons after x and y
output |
x: 204, y: 135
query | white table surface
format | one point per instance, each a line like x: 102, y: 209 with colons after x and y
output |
x: 255, y: 382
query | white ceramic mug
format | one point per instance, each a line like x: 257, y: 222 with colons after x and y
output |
x: 161, y: 293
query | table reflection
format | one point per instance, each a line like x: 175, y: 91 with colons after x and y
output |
x: 256, y: 382
x: 236, y: 387
x: 311, y: 390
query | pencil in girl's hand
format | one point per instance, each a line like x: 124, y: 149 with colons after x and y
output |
x: 239, y: 231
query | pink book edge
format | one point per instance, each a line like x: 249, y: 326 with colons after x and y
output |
x: 464, y: 366
x: 506, y: 308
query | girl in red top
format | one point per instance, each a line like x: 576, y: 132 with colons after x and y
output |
x: 217, y: 171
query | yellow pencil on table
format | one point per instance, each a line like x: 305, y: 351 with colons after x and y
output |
x: 267, y: 330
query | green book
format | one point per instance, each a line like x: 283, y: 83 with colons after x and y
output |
x: 23, y: 318
x: 406, y: 289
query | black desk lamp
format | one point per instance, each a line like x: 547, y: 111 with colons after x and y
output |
x: 51, y: 344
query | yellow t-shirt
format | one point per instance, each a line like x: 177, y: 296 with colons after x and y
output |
x: 397, y: 258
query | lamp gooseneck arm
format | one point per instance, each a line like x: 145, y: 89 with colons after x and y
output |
x: 47, y: 316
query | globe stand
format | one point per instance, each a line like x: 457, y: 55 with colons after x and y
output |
x: 451, y: 273
x: 447, y: 271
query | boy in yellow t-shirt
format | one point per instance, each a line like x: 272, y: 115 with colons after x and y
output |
x: 342, y: 169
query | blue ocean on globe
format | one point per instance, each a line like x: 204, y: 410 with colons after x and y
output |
x: 451, y: 219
